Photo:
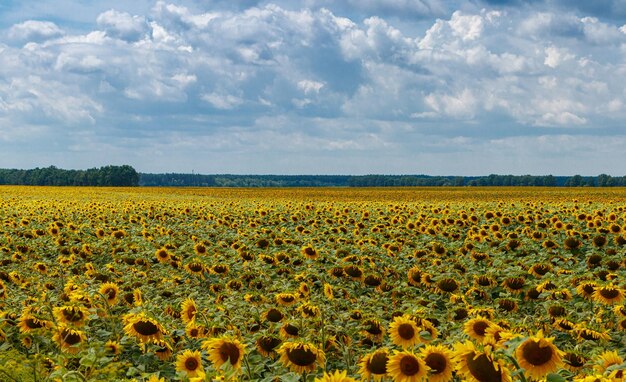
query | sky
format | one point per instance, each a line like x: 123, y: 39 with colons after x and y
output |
x: 437, y: 87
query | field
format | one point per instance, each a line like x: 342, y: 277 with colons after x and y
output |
x: 433, y: 284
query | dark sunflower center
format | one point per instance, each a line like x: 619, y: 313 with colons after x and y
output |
x: 588, y: 288
x: 220, y: 269
x: 70, y: 338
x: 378, y: 364
x: 374, y: 328
x: 33, y: 323
x: 409, y: 365
x: 269, y: 343
x: 195, y: 267
x: 574, y: 360
x: 274, y: 315
x: 110, y: 293
x: 535, y: 354
x: 437, y: 362
x: 145, y: 328
x: 480, y: 327
x: 448, y: 285
x: 416, y: 276
x: 516, y: 283
x: 191, y: 312
x: 482, y: 368
x: 609, y: 293
x: 287, y: 298
x: 229, y: 351
x: 191, y: 364
x: 372, y: 281
x: 406, y: 331
x: 72, y: 315
x: 291, y: 329
x: 301, y: 357
x: 353, y: 271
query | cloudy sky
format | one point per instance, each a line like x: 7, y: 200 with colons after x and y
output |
x: 439, y: 87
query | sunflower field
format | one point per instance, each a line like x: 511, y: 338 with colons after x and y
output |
x: 413, y: 284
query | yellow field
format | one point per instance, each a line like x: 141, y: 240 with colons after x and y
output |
x: 432, y: 284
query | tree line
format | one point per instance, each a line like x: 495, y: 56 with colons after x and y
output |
x: 116, y: 176
x: 127, y: 176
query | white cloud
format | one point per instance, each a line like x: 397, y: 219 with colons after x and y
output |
x: 556, y: 56
x: 34, y: 30
x: 123, y: 25
x: 222, y: 101
x: 310, y: 86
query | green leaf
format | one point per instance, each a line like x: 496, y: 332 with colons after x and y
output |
x: 552, y: 377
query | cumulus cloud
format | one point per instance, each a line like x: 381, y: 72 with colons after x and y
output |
x: 342, y: 81
x: 34, y: 30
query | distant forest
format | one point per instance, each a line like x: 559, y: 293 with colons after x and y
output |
x: 127, y: 176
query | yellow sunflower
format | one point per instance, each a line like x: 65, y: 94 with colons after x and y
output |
x: 606, y: 360
x: 476, y: 327
x: 110, y: 291
x: 190, y: 363
x: 162, y: 349
x: 586, y: 289
x: 301, y: 357
x: 538, y: 356
x: 28, y: 323
x: 479, y: 366
x: 163, y: 256
x: 374, y: 365
x: 405, y: 366
x: 439, y: 360
x: 373, y: 330
x: 71, y: 315
x: 69, y: 340
x: 266, y: 345
x: 188, y: 310
x: 225, y: 349
x: 404, y: 332
x: 608, y: 294
x: 143, y: 328
x: 337, y: 376
x: 286, y: 299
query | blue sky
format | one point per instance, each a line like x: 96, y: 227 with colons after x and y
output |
x: 463, y: 87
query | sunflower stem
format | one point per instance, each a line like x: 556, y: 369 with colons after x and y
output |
x: 517, y: 366
x: 248, y: 369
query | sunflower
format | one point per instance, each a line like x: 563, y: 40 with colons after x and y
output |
x: 162, y: 255
x: 439, y: 360
x: 328, y: 291
x: 28, y: 323
x: 591, y: 335
x: 69, y: 340
x: 289, y: 331
x: 110, y: 291
x: 192, y: 330
x: 143, y: 328
x: 309, y: 252
x: 414, y: 276
x: 286, y: 299
x: 308, y: 310
x: 195, y: 268
x: 476, y: 327
x: 225, y: 349
x: 74, y: 315
x: 514, y: 285
x: 266, y: 345
x: 113, y: 347
x: 373, y: 330
x: 273, y: 315
x: 190, y: 363
x: 479, y: 366
x: 301, y: 357
x: 188, y: 310
x: 374, y: 365
x: 404, y: 332
x: 573, y: 362
x: 447, y: 285
x: 538, y: 356
x: 606, y: 360
x: 337, y: 376
x: 405, y: 366
x: 162, y: 349
x: 608, y: 294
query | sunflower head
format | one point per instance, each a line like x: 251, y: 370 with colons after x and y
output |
x: 439, y: 361
x: 301, y: 357
x: 404, y: 332
x: 225, y: 350
x: 538, y: 356
x: 190, y: 363
x: 374, y: 365
x: 406, y: 366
